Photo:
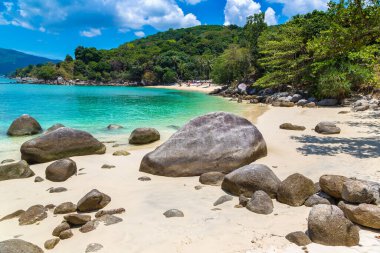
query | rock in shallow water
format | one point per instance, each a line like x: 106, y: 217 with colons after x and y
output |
x: 19, y: 246
x: 24, y: 125
x: 327, y: 225
x: 251, y: 178
x: 141, y: 136
x: 215, y: 142
x: 61, y: 143
x: 15, y: 170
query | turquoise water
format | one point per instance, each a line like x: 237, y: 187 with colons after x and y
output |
x: 93, y: 108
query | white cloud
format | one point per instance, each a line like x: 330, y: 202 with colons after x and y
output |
x: 237, y: 11
x: 192, y: 2
x: 92, y: 32
x: 161, y: 14
x: 8, y: 6
x: 270, y: 17
x: 140, y: 34
x: 293, y: 7
x: 121, y: 14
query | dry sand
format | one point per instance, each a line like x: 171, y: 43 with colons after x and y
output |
x: 354, y: 152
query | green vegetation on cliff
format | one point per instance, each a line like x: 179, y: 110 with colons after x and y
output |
x: 328, y: 53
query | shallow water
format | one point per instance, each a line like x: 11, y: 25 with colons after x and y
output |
x: 93, y: 108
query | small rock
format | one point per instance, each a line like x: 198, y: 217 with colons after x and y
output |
x: 173, y: 213
x: 57, y: 190
x: 343, y: 112
x: 93, y: 247
x: 121, y: 153
x: 144, y: 179
x: 107, y: 166
x: 198, y: 187
x: 54, y: 127
x: 61, y: 170
x: 77, y: 219
x: 109, y: 219
x: 332, y: 185
x: 212, y: 178
x: 61, y: 227
x: 114, y: 127
x: 328, y: 102
x: 112, y: 211
x: 89, y: 226
x: 260, y: 203
x: 13, y: 215
x: 299, y: 238
x: 295, y: 189
x: 50, y: 206
x: 327, y: 128
x: 7, y: 161
x: 38, y: 179
x: 65, y: 208
x: 66, y: 234
x: 327, y: 225
x: 93, y: 201
x: 223, y: 199
x: 310, y: 105
x: 32, y: 215
x: 319, y: 198
x: 243, y: 201
x: 289, y: 126
x: 50, y: 244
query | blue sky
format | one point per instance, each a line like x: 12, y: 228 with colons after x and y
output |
x: 54, y: 28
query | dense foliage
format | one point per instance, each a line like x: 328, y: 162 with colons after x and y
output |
x: 328, y: 53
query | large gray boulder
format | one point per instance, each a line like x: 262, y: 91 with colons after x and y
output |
x: 332, y: 185
x: 61, y: 143
x: 24, y: 125
x: 328, y: 102
x: 61, y: 170
x: 251, y: 178
x: 215, y: 142
x: 141, y: 136
x: 327, y: 225
x: 14, y: 170
x: 295, y: 190
x: 19, y: 246
x: 366, y: 215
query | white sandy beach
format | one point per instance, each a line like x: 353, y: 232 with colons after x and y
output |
x: 201, y: 88
x: 354, y: 153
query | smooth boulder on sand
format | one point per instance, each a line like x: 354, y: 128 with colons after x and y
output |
x: 15, y: 170
x: 61, y: 170
x: 24, y: 125
x: 61, y: 143
x: 19, y: 246
x: 327, y: 225
x: 141, y: 136
x: 218, y: 141
x: 251, y: 178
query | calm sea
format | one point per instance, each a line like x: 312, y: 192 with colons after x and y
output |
x: 93, y: 108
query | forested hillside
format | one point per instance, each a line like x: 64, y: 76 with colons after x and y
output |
x: 330, y: 54
x: 10, y: 60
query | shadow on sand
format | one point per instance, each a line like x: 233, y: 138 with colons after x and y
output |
x: 368, y: 147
